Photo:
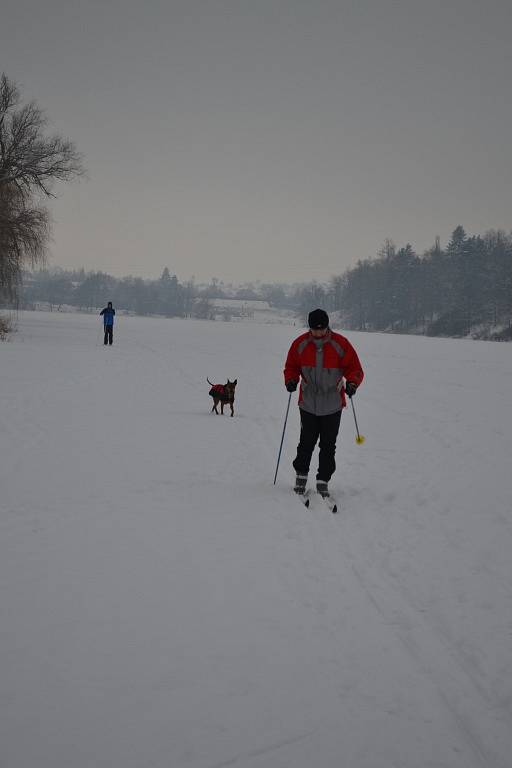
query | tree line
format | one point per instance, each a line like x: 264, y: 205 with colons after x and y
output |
x: 462, y: 290
x: 167, y: 296
x: 90, y: 290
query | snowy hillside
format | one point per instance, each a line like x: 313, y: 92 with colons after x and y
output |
x: 163, y: 604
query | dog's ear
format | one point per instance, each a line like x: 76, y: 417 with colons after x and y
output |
x: 235, y: 382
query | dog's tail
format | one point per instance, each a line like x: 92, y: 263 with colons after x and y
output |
x: 209, y: 382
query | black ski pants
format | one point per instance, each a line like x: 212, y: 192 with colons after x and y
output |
x: 313, y: 427
x: 109, y: 333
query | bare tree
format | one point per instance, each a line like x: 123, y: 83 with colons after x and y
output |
x: 30, y: 163
x: 23, y: 234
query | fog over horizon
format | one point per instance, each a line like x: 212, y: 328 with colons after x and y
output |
x: 273, y: 142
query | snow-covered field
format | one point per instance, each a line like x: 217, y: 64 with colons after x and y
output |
x: 163, y: 604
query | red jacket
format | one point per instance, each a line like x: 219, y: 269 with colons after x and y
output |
x: 321, y: 365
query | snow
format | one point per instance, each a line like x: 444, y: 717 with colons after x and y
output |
x: 163, y: 604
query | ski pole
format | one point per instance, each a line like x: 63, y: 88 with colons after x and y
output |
x: 282, y: 437
x: 359, y: 438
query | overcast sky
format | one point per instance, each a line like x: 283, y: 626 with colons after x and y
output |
x: 268, y: 139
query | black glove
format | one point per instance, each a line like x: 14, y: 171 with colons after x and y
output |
x: 291, y: 385
x: 350, y: 388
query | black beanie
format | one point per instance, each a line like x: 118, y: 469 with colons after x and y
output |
x: 318, y: 319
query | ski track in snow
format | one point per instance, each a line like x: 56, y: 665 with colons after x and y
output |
x: 163, y: 604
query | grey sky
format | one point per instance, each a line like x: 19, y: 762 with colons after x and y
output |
x: 268, y: 139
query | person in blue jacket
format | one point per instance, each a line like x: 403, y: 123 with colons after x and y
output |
x: 108, y: 323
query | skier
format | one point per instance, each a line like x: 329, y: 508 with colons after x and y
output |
x: 322, y: 359
x: 108, y: 323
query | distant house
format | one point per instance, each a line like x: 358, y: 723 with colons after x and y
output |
x: 252, y: 310
x: 239, y: 307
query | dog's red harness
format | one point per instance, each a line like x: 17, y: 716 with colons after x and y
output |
x: 219, y: 390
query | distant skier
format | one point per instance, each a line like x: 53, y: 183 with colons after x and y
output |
x: 108, y: 323
x: 323, y: 359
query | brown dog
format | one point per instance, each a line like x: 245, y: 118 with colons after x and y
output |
x: 223, y: 394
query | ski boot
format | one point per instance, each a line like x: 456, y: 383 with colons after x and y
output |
x: 322, y: 488
x: 300, y: 484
